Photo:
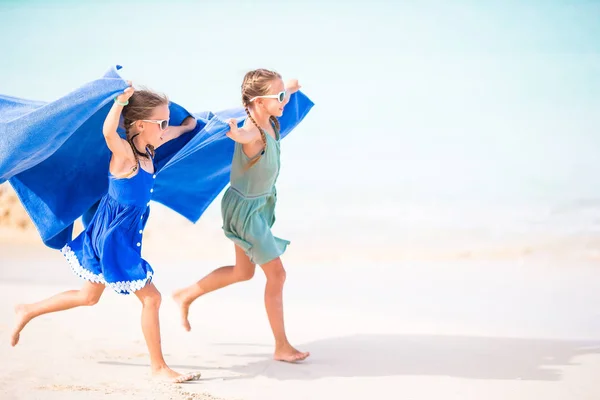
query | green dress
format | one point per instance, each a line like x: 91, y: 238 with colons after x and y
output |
x: 248, y: 205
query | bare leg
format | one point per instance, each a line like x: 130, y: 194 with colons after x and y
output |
x: 275, y: 274
x: 243, y: 270
x: 88, y: 295
x: 151, y: 299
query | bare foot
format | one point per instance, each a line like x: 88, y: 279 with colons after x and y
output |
x: 184, y: 307
x: 21, y: 320
x: 290, y: 354
x: 167, y: 374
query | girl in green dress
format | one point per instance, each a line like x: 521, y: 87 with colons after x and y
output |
x: 248, y: 206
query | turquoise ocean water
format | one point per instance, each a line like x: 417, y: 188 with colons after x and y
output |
x: 437, y: 123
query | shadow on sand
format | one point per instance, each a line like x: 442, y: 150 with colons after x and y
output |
x: 468, y: 357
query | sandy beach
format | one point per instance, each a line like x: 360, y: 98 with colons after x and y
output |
x: 419, y: 330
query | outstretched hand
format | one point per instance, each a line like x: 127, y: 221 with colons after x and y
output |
x: 127, y: 93
x: 239, y: 135
x: 292, y: 86
x: 233, y: 126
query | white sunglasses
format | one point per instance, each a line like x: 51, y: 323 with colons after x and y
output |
x: 279, y: 96
x: 164, y: 123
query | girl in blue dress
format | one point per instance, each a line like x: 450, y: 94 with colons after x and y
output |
x: 108, y: 252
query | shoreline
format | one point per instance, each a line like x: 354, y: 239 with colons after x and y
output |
x: 196, y: 243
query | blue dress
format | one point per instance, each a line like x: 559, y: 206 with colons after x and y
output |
x: 108, y: 251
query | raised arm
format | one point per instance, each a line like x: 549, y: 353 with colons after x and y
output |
x: 114, y: 142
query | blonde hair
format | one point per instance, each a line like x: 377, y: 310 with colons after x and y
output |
x: 257, y: 83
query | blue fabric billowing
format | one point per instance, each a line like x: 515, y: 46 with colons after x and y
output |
x: 55, y: 157
x: 31, y: 131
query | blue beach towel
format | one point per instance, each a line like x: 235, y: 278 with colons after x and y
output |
x: 55, y: 157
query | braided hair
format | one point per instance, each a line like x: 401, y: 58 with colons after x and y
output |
x: 258, y: 83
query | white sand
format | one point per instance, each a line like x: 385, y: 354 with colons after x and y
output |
x: 468, y: 330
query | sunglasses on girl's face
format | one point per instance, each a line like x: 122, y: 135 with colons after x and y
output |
x: 279, y: 96
x: 163, y: 123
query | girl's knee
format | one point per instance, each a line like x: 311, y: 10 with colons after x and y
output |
x: 153, y: 300
x: 90, y: 298
x: 244, y: 273
x: 90, y: 293
x: 276, y: 273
